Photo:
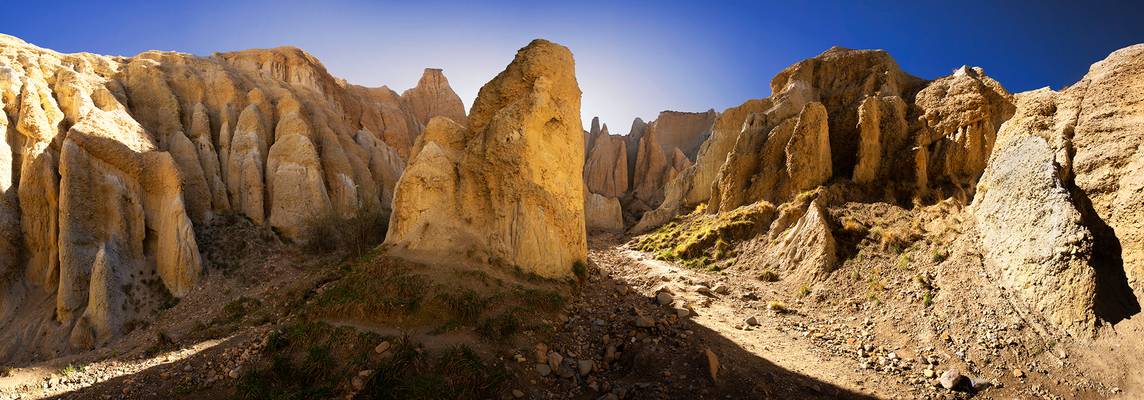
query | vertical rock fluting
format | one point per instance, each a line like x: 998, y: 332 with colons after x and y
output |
x: 606, y: 168
x: 508, y: 188
x: 432, y: 97
x: 656, y: 160
x: 107, y: 164
x: 899, y: 138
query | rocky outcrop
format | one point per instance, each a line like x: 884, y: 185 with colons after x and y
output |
x: 666, y: 147
x: 1058, y: 208
x: 803, y: 245
x: 606, y: 167
x: 603, y: 213
x: 1034, y: 236
x: 1108, y: 164
x: 507, y: 189
x: 685, y: 131
x: 110, y: 163
x: 433, y: 97
x: 899, y: 138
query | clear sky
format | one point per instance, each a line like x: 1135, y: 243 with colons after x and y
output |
x: 632, y: 58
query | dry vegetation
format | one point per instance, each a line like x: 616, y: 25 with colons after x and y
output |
x: 700, y: 239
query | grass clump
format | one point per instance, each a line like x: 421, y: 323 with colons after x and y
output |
x: 939, y: 255
x: 72, y: 369
x: 235, y: 310
x: 356, y: 235
x: 580, y: 269
x: 778, y: 307
x: 415, y: 373
x: 803, y: 290
x: 896, y: 240
x: 305, y: 360
x: 700, y: 239
x: 376, y: 291
x: 466, y: 306
x: 500, y: 328
x: 927, y: 298
x: 768, y: 276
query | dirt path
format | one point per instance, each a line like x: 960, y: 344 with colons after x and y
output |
x: 723, y: 307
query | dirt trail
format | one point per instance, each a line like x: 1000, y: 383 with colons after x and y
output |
x: 724, y: 314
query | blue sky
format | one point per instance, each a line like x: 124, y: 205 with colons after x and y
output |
x: 633, y: 58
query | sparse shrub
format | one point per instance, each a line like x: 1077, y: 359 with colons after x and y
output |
x: 803, y: 290
x: 903, y: 262
x: 893, y: 239
x: 768, y: 276
x: 927, y: 298
x: 778, y: 307
x: 852, y: 226
x: 355, y: 235
x: 499, y: 328
x: 580, y: 270
x: 940, y: 255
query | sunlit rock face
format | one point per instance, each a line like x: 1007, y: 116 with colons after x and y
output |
x: 110, y: 163
x: 1058, y: 209
x: 507, y: 188
x: 898, y: 138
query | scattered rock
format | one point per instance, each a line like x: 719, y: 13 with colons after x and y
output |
x: 953, y: 380
x: 555, y: 360
x: 585, y: 367
x: 663, y: 298
x: 382, y: 348
x: 712, y: 365
x: 543, y: 369
x: 644, y: 322
x: 722, y: 289
x: 752, y: 321
x: 541, y: 351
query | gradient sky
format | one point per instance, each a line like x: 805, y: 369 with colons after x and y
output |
x: 633, y: 59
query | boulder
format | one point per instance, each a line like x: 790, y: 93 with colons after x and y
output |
x: 1032, y: 234
x: 603, y: 213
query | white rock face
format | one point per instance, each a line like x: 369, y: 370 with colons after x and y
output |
x: 110, y: 163
x: 508, y: 188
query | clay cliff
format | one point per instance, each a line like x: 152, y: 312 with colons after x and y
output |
x: 506, y: 188
x: 1042, y: 187
x: 110, y: 165
x: 630, y: 172
x: 891, y: 135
